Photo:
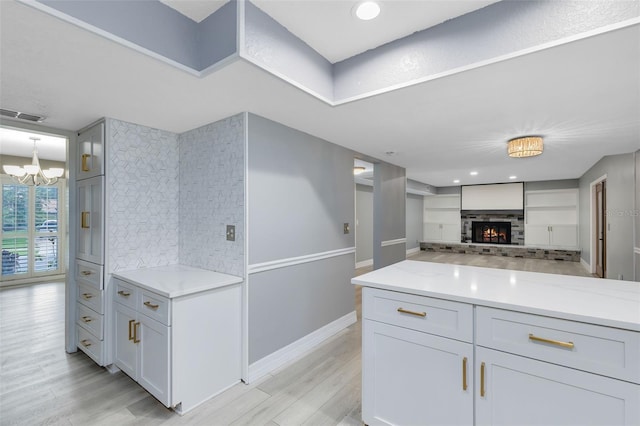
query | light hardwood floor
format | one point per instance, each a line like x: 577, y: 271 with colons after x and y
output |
x: 41, y: 384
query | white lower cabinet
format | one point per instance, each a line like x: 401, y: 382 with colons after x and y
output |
x: 183, y: 350
x: 517, y: 390
x: 420, y: 367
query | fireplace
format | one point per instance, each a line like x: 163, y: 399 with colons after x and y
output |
x: 491, y: 232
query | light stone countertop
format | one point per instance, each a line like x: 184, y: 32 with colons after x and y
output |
x: 606, y: 302
x: 177, y: 280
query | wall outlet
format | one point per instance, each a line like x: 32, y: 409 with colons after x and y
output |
x: 346, y: 228
x: 231, y: 233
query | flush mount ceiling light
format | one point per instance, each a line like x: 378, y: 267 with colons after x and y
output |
x: 367, y: 10
x: 526, y: 146
x: 32, y: 174
x: 358, y: 169
x: 473, y: 173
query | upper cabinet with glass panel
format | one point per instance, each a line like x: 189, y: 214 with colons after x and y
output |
x: 91, y: 152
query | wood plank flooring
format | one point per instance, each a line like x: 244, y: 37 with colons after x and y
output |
x: 41, y: 384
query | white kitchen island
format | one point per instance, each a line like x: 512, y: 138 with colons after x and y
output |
x: 178, y: 332
x: 453, y: 344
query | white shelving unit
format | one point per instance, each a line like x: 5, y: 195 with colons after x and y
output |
x: 442, y: 218
x: 551, y: 218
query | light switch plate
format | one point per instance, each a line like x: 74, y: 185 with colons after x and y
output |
x: 231, y: 233
x: 346, y: 228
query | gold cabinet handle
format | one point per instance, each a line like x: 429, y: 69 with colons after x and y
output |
x: 84, y: 220
x: 151, y: 305
x: 135, y: 333
x: 131, y: 327
x: 482, y: 368
x: 86, y: 343
x: 124, y: 293
x: 86, y: 273
x: 85, y: 163
x: 87, y: 319
x: 87, y: 295
x: 464, y: 373
x: 419, y: 314
x: 568, y: 345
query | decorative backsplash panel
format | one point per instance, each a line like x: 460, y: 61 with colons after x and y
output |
x: 142, y: 197
x: 212, y: 196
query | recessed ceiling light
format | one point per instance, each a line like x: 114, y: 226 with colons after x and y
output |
x: 367, y: 10
x: 513, y: 177
x: 474, y: 173
x: 456, y: 181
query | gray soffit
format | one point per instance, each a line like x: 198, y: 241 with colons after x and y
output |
x: 239, y: 29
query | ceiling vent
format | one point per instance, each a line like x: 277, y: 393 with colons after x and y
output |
x: 21, y: 116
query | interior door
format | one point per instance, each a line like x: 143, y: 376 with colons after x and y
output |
x: 601, y: 230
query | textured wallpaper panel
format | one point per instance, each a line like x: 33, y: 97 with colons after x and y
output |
x: 212, y: 196
x: 142, y: 197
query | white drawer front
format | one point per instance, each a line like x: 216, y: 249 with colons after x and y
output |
x: 90, y: 296
x: 154, y: 306
x: 90, y: 345
x: 89, y: 273
x: 602, y: 350
x: 125, y: 293
x: 90, y: 320
x: 435, y: 316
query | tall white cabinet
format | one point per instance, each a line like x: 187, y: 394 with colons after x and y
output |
x: 551, y: 218
x: 442, y: 218
x: 91, y: 302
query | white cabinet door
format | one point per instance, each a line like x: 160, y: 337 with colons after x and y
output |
x: 564, y: 235
x: 414, y: 378
x: 518, y: 390
x: 125, y: 346
x: 90, y: 233
x: 153, y: 358
x: 451, y: 232
x: 432, y: 231
x: 536, y: 235
x: 91, y: 152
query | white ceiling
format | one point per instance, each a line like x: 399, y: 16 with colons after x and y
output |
x: 195, y: 9
x: 584, y: 97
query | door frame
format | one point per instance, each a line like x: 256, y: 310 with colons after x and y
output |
x: 593, y: 241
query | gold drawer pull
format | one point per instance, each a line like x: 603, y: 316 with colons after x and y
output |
x: 84, y: 220
x: 87, y: 295
x: 131, y: 326
x: 418, y: 314
x: 86, y: 343
x: 85, y: 164
x: 482, y: 368
x: 568, y: 345
x: 151, y: 305
x: 464, y: 373
x: 124, y: 293
x: 86, y: 273
x: 87, y: 319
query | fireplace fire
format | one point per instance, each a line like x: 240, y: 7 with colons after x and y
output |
x: 491, y: 232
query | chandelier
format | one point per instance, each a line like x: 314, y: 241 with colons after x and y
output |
x: 527, y: 146
x: 32, y: 174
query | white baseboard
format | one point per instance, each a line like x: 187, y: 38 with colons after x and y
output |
x: 413, y: 250
x: 298, y: 348
x: 364, y: 263
x: 585, y: 265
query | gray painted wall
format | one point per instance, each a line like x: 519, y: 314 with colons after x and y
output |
x: 389, y: 214
x: 364, y: 220
x: 301, y: 191
x: 637, y: 216
x: 448, y: 190
x: 546, y: 185
x: 415, y: 210
x: 212, y: 196
x: 620, y: 204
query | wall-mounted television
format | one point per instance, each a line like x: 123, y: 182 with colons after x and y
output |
x: 501, y: 196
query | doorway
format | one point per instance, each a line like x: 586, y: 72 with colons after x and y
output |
x: 363, y: 178
x: 599, y: 228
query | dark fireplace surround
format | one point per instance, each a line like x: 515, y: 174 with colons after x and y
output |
x: 491, y: 232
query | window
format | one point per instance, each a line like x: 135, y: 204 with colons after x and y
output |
x: 32, y: 237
